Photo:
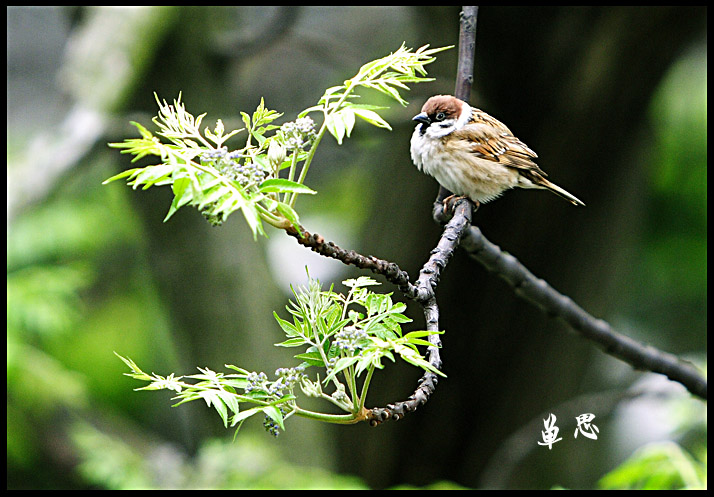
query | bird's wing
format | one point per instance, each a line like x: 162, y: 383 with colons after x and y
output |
x: 490, y: 139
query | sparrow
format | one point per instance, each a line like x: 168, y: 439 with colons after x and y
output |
x: 473, y: 154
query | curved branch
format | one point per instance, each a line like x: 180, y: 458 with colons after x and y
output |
x: 425, y: 295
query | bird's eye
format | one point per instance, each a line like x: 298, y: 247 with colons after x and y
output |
x: 440, y: 116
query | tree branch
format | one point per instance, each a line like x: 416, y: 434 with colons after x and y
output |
x: 423, y: 292
x: 425, y: 295
x: 467, y: 48
x: 538, y: 292
x: 390, y: 270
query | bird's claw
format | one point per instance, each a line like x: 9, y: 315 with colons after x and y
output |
x: 450, y: 202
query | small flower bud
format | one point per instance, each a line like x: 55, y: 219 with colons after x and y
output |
x: 276, y: 153
x: 219, y: 128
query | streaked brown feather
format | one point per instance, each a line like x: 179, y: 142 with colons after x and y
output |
x: 491, y: 139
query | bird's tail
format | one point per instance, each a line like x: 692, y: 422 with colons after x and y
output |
x: 562, y: 193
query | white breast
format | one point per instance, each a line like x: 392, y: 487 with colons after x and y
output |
x: 429, y: 157
x: 460, y: 171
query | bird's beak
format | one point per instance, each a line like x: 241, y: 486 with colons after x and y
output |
x: 422, y: 118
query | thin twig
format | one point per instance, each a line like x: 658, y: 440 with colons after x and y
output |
x: 429, y: 275
x: 464, y: 73
x: 390, y: 270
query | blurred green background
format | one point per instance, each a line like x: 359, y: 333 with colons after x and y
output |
x: 614, y: 100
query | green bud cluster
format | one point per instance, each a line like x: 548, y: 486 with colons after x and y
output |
x: 299, y: 133
x: 229, y: 164
x: 348, y: 339
x: 257, y: 381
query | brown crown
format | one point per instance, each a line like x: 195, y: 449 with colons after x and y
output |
x: 451, y: 106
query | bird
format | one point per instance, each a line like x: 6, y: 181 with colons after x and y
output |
x: 473, y: 154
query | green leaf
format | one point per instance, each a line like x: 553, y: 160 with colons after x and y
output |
x: 354, y: 106
x: 340, y: 365
x: 251, y: 215
x: 151, y: 175
x: 373, y: 118
x: 311, y: 109
x: 360, y: 282
x: 354, y: 316
x: 376, y: 303
x: 419, y: 361
x: 289, y: 214
x: 656, y: 466
x: 280, y: 185
x: 123, y: 174
x: 333, y: 89
x: 212, y: 398
x: 336, y: 326
x: 421, y: 333
x: 369, y: 67
x: 236, y: 368
x: 289, y: 329
x: 145, y: 133
x: 336, y: 127
x: 230, y: 399
x: 246, y: 119
x: 259, y: 137
x: 292, y: 342
x: 182, y: 195
x: 275, y: 414
x: 312, y: 358
x: 419, y: 341
x: 378, y: 329
x: 385, y: 88
x: 242, y: 415
x: 138, y: 373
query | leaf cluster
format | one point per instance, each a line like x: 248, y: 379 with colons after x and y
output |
x: 218, y: 390
x: 319, y: 316
x: 387, y: 75
x: 203, y: 173
x: 658, y: 466
x: 346, y: 335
